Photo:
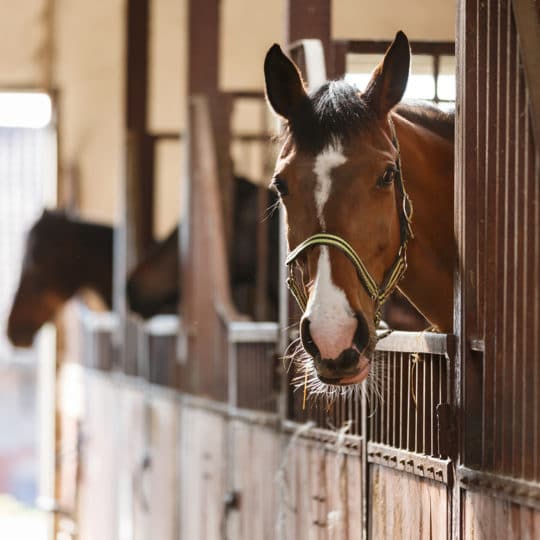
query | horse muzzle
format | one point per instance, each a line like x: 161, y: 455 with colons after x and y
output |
x: 351, y: 365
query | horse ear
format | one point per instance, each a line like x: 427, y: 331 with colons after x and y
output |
x: 284, y: 87
x: 389, y: 80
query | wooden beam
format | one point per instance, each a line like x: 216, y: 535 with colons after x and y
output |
x: 203, y: 44
x: 138, y: 12
x: 526, y: 15
x: 309, y: 19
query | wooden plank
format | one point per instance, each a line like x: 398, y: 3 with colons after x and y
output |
x: 309, y: 19
x: 202, y: 470
x: 163, y: 484
x: 255, y: 462
x: 134, y: 466
x: 203, y: 43
x: 98, y: 508
x: 404, y: 506
x: 486, y: 518
x: 355, y: 515
x: 526, y: 14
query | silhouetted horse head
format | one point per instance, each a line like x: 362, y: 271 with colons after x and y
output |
x: 62, y: 255
x: 338, y: 176
x: 154, y: 285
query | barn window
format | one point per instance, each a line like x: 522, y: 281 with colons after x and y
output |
x: 432, y: 76
x: 27, y: 184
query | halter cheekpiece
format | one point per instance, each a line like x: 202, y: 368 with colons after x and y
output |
x: 395, y: 273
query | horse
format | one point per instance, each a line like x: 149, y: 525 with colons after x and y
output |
x: 62, y: 256
x: 153, y: 286
x: 351, y: 166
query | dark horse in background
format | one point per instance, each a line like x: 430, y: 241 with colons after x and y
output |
x: 153, y: 286
x: 62, y: 256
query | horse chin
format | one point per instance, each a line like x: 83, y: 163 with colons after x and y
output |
x: 359, y: 375
x: 23, y: 339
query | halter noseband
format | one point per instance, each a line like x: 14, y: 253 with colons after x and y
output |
x: 392, y: 276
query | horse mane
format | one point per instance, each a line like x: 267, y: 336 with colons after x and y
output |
x: 430, y: 117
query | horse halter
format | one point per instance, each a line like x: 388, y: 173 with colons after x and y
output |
x: 395, y: 273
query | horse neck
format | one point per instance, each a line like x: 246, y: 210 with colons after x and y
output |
x: 428, y: 171
x: 93, y: 252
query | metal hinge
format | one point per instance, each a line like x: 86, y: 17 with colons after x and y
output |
x: 447, y: 434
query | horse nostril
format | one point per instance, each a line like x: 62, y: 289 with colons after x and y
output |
x: 307, y: 340
x: 361, y: 336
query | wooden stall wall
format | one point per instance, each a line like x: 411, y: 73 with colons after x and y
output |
x: 202, y: 451
x: 100, y: 474
x: 405, y: 506
x: 498, y: 231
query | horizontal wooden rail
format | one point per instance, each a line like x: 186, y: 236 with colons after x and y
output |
x: 417, y: 342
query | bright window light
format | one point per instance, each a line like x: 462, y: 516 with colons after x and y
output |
x: 447, y: 87
x: 25, y: 109
x: 418, y: 87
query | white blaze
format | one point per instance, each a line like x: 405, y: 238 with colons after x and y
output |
x: 332, y: 321
x: 330, y: 158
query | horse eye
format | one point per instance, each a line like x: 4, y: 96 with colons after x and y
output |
x: 279, y: 185
x: 387, y: 178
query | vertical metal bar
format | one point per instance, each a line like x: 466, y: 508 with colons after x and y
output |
x: 401, y: 398
x: 436, y: 73
x: 387, y: 397
x: 424, y: 420
x: 394, y: 423
x: 432, y: 402
x: 416, y: 407
x: 409, y: 401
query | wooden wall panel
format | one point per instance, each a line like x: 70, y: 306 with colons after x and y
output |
x: 164, y: 477
x: 133, y: 467
x: 321, y: 492
x: 98, y: 510
x: 487, y: 518
x: 405, y: 506
x: 254, y: 463
x: 202, y: 473
x: 498, y: 220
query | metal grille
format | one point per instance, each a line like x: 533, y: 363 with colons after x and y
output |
x: 252, y: 365
x: 97, y: 338
x: 329, y: 413
x: 412, y: 387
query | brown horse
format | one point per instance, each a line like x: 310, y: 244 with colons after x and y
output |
x: 347, y: 162
x: 62, y: 256
x: 153, y: 286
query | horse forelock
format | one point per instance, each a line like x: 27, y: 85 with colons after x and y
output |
x: 329, y: 116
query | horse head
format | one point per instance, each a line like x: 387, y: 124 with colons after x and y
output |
x: 153, y: 286
x: 337, y: 176
x: 61, y: 256
x: 40, y: 292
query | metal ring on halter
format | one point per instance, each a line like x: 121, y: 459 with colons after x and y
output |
x: 394, y: 274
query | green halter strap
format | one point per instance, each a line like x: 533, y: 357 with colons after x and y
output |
x: 392, y: 276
